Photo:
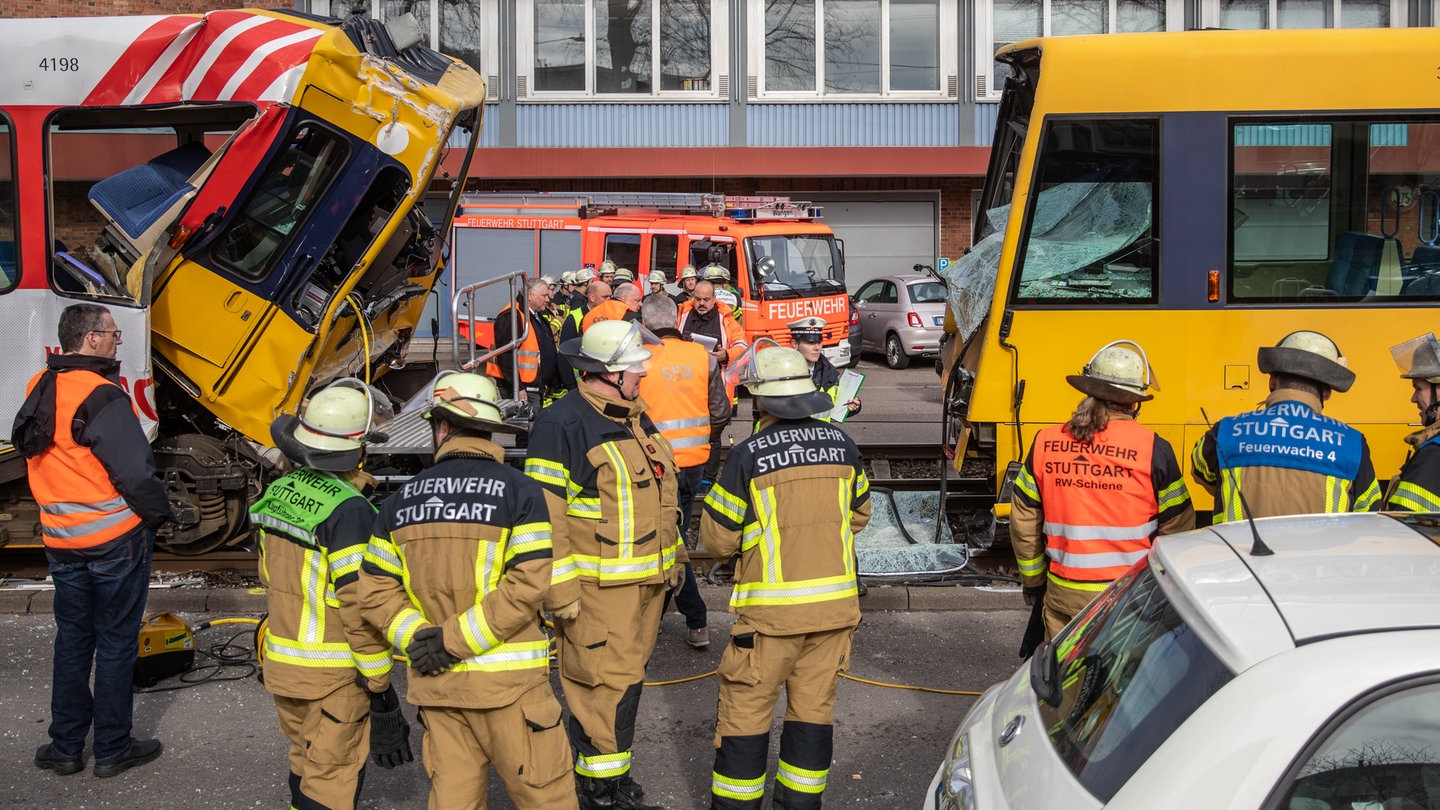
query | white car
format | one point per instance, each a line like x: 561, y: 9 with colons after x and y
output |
x: 1213, y: 677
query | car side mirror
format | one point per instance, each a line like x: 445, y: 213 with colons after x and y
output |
x: 1045, y: 674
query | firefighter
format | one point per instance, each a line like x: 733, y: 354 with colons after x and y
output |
x: 1417, y: 487
x: 624, y: 275
x: 581, y: 280
x: 687, y: 278
x: 801, y: 480
x: 596, y: 293
x: 609, y: 480
x: 657, y: 283
x: 539, y: 370
x: 328, y: 670
x: 725, y: 292
x: 624, y: 305
x: 808, y: 335
x: 1287, y: 458
x: 555, y: 310
x: 686, y: 399
x: 607, y: 272
x: 456, y: 573
x: 1095, y: 492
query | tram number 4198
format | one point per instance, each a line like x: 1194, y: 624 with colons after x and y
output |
x: 60, y: 64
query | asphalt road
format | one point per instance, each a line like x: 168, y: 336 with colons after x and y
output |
x: 223, y: 748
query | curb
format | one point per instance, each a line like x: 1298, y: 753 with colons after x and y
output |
x: 39, y: 600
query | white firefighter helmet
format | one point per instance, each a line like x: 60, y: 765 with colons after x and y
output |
x: 549, y: 280
x: 1119, y: 372
x: 607, y: 267
x: 656, y: 277
x: 333, y: 426
x: 624, y: 274
x: 716, y: 272
x: 567, y: 277
x: 779, y: 377
x: 1310, y: 355
x: 468, y: 401
x: 610, y: 346
x: 688, y: 271
x: 585, y: 275
x: 1419, y: 359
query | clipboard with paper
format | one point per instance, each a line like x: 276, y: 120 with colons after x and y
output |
x: 850, y: 382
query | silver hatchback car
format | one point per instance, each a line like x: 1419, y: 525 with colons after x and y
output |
x: 1212, y: 676
x: 902, y: 316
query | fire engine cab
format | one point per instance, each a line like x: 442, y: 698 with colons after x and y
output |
x: 784, y: 263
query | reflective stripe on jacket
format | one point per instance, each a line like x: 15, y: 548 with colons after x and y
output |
x: 527, y: 354
x: 1084, y: 512
x: 79, y: 504
x: 610, y: 484
x: 465, y: 545
x: 1417, y: 487
x: 314, y: 527
x: 789, y: 502
x: 676, y: 391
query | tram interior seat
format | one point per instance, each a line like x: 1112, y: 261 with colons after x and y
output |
x: 135, y: 199
x: 1356, y: 264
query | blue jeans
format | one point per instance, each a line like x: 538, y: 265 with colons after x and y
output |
x: 98, y: 608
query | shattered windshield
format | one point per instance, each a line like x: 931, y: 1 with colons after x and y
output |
x: 1092, y: 233
x: 794, y: 265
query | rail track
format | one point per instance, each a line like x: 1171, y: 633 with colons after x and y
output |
x: 899, y: 467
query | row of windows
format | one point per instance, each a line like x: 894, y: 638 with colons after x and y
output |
x: 804, y: 49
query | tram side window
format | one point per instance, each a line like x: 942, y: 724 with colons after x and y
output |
x: 1335, y: 212
x: 1092, y: 234
x: 285, y: 197
x: 9, y: 265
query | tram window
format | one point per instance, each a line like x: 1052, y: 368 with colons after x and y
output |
x: 1334, y: 212
x: 623, y: 249
x: 285, y: 197
x: 1092, y: 234
x: 9, y: 266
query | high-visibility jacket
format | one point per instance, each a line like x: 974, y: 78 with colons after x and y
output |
x: 314, y: 527
x: 610, y: 485
x: 464, y: 545
x: 1285, y: 459
x: 676, y: 391
x: 731, y: 334
x: 608, y: 310
x: 80, y: 507
x: 1094, y: 508
x: 527, y: 354
x: 789, y: 501
x: 1417, y: 487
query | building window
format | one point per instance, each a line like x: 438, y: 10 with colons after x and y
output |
x: 1255, y: 14
x: 808, y: 48
x: 621, y: 47
x: 465, y: 29
x: 1003, y: 22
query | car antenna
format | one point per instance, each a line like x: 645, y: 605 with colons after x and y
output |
x: 1258, y: 548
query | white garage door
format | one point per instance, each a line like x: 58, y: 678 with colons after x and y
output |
x: 882, y: 238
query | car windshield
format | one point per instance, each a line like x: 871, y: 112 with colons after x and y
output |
x: 795, y: 265
x: 926, y: 292
x: 1131, y: 671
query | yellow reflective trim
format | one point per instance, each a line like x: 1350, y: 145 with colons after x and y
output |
x: 563, y: 570
x: 800, y: 779
x: 615, y: 569
x: 402, y: 628
x: 1174, y: 495
x: 1025, y: 482
x: 381, y: 553
x: 733, y: 787
x: 546, y: 471
x: 508, y: 657
x: 624, y: 498
x: 1368, y: 498
x: 1197, y: 461
x: 801, y: 592
x: 372, y: 665
x: 1078, y: 586
x: 1031, y: 567
x: 1414, y: 498
x: 725, y: 503
x: 603, y: 766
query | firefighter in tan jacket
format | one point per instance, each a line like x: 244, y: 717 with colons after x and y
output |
x: 456, y: 573
x: 610, y: 484
x: 789, y: 502
x: 328, y: 670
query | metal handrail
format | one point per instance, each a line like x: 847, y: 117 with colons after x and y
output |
x: 466, y: 295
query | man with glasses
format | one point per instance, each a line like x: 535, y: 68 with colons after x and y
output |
x: 91, y: 471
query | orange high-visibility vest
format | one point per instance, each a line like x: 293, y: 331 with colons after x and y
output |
x: 79, y: 505
x: 732, y: 335
x: 608, y: 310
x: 676, y: 390
x: 527, y: 354
x: 1098, y: 497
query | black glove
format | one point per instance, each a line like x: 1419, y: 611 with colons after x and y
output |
x: 1034, y: 596
x: 389, y: 733
x: 427, y: 652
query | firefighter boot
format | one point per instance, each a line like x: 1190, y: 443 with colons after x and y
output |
x: 610, y: 794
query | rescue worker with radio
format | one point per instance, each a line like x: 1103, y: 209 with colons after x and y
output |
x: 609, y: 479
x: 328, y: 670
x: 686, y: 399
x: 623, y: 306
x: 1095, y: 492
x: 1286, y: 458
x: 93, y: 476
x: 789, y: 503
x: 456, y: 572
x: 688, y: 278
x: 808, y: 335
x: 538, y: 367
x: 1417, y: 487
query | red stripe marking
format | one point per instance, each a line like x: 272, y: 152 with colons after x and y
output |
x: 135, y: 61
x: 240, y: 49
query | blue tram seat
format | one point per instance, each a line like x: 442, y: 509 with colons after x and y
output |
x: 135, y: 198
x: 1357, y: 261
